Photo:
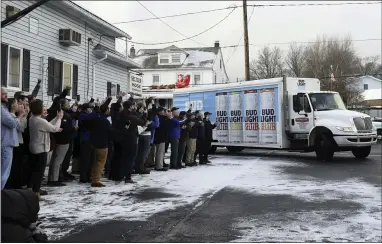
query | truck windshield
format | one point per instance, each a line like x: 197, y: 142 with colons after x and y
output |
x: 326, y: 101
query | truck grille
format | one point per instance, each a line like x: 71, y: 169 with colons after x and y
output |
x: 363, y: 125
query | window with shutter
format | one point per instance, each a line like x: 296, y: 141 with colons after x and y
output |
x: 4, y: 64
x: 108, y: 90
x: 14, y: 67
x: 118, y: 89
x: 75, y: 82
x: 50, y: 76
x: 26, y: 70
x: 58, y: 77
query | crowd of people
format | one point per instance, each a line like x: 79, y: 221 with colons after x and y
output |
x: 100, y: 139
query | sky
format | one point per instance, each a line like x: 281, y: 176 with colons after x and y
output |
x: 267, y: 25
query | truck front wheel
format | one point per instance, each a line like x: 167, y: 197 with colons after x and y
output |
x: 324, y: 148
x: 235, y: 149
x: 213, y: 149
x: 361, y: 152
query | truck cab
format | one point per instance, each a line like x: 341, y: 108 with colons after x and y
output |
x: 320, y: 122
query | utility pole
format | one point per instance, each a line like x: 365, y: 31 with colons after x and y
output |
x: 246, y: 45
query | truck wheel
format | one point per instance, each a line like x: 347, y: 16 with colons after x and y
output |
x: 213, y: 149
x: 324, y: 148
x: 361, y: 152
x: 235, y: 149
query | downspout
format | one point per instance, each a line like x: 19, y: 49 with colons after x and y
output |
x: 98, y: 61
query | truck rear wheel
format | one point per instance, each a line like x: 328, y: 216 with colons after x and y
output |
x: 235, y: 149
x: 213, y: 149
x: 361, y: 152
x: 324, y: 148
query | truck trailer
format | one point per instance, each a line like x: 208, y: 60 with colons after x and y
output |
x: 281, y: 113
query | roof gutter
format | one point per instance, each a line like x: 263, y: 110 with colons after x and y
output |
x: 94, y: 65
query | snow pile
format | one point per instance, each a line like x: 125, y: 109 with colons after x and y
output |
x: 199, y: 59
x: 313, y: 225
x: 372, y: 94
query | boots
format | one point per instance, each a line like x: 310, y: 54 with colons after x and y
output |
x: 39, y: 196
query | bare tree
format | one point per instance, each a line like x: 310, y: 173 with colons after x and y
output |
x: 295, y: 59
x: 269, y: 64
x: 333, y: 57
x: 368, y: 66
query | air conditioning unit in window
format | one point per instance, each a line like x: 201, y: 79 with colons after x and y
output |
x: 69, y: 37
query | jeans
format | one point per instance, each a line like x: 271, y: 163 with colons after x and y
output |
x: 181, y: 151
x: 143, y: 151
x: 58, y: 157
x: 174, y: 152
x: 191, y: 148
x: 37, y: 168
x: 66, y: 162
x: 16, y: 175
x: 87, y: 159
x: 6, y: 164
x: 129, y: 153
x: 159, y: 155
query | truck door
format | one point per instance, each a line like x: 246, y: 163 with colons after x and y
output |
x: 301, y: 118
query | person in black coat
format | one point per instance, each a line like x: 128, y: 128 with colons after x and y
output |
x: 100, y: 135
x: 208, y: 127
x: 63, y: 140
x: 160, y: 138
x: 19, y: 213
x: 128, y: 127
x: 201, y: 138
x: 115, y: 173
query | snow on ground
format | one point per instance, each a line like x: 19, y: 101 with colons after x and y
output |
x: 76, y: 203
x: 361, y: 226
x: 67, y: 207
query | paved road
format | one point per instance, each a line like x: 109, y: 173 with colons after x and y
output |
x: 276, y: 196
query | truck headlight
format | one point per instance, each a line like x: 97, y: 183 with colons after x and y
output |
x: 345, y: 129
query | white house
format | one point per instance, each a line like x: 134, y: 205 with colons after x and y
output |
x: 62, y: 44
x: 161, y: 68
x: 368, y: 82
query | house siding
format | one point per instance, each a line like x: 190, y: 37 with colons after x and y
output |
x: 221, y: 75
x: 46, y: 44
x: 168, y: 77
x: 373, y: 83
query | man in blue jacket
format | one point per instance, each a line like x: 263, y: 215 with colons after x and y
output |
x: 174, y: 137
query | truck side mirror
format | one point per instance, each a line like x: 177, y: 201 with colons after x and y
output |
x: 296, y: 103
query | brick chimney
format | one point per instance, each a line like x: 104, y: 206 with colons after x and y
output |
x: 217, y: 45
x: 132, y: 52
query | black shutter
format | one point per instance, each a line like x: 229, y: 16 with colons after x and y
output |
x: 118, y: 89
x: 4, y: 64
x: 26, y: 69
x: 75, y: 82
x: 108, y: 92
x: 57, y: 76
x: 50, y: 76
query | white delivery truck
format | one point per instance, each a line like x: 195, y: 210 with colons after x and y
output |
x: 281, y: 113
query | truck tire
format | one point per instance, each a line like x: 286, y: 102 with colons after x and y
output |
x: 361, y: 152
x: 213, y: 150
x: 324, y: 148
x: 235, y: 149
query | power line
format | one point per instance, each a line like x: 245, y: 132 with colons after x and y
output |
x: 175, y: 15
x: 159, y: 43
x: 232, y: 53
x: 308, y: 42
x: 253, y: 5
x: 311, y: 4
x: 170, y: 25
